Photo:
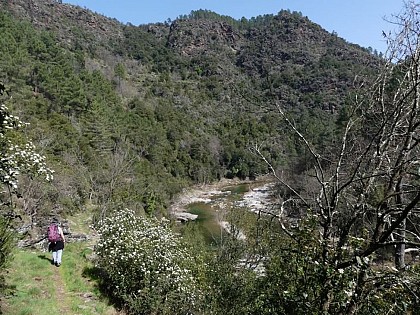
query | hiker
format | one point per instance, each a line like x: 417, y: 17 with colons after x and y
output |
x: 57, y: 240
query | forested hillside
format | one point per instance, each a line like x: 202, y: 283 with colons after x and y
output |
x: 127, y: 116
x: 131, y: 114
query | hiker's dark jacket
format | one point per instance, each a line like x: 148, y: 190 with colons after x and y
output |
x: 54, y: 246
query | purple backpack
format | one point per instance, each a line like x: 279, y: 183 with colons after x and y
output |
x: 53, y: 234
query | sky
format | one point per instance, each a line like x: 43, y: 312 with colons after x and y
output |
x: 357, y: 21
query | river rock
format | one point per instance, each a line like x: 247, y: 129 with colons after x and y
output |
x: 185, y: 216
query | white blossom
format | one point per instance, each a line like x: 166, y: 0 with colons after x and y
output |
x: 18, y: 157
x: 142, y: 255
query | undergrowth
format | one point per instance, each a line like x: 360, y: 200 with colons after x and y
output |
x: 35, y: 287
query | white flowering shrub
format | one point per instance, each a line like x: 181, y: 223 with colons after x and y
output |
x: 16, y: 154
x: 146, y: 265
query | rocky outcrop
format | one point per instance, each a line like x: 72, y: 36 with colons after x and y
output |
x: 65, y: 19
x: 192, y: 37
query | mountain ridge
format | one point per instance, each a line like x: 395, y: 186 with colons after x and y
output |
x: 159, y: 107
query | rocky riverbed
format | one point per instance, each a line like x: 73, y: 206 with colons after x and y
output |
x: 259, y: 196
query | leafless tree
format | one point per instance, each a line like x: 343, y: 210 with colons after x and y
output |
x: 368, y: 195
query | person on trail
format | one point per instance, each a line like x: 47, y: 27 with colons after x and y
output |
x: 57, y: 240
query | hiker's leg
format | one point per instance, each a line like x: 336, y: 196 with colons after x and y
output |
x: 54, y: 256
x: 59, y: 254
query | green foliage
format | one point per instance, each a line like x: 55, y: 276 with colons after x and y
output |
x: 7, y: 238
x: 188, y: 118
x: 17, y: 156
x: 140, y: 44
x: 297, y: 279
x: 34, y: 286
x: 233, y: 287
x: 147, y: 266
x: 197, y: 95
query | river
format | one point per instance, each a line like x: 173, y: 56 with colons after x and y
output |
x: 208, y: 205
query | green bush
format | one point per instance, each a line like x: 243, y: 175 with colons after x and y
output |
x: 147, y: 267
x: 17, y: 156
x: 7, y: 243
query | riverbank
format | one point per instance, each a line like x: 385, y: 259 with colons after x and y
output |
x: 258, y: 196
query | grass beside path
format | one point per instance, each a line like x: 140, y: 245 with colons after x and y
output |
x: 36, y: 287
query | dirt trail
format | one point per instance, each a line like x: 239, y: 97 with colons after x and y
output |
x: 61, y: 295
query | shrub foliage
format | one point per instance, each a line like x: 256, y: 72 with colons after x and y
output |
x: 146, y: 266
